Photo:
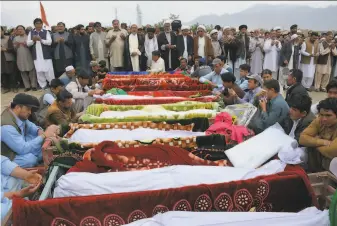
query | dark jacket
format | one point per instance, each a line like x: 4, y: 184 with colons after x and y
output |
x: 243, y: 47
x: 162, y: 40
x: 297, y: 88
x: 286, y: 52
x: 287, y: 125
x: 181, y: 45
x: 127, y: 56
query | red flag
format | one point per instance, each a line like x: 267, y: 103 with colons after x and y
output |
x: 43, y: 15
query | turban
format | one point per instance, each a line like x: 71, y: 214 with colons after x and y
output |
x: 213, y: 31
x: 201, y: 27
x: 168, y: 22
x: 293, y: 26
x: 226, y: 27
x: 276, y: 28
x: 150, y: 29
x: 243, y: 26
x: 294, y: 36
x: 69, y: 68
x: 185, y: 28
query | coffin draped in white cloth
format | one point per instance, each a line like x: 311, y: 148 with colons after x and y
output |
x: 83, y: 184
x: 308, y: 217
x: 84, y: 136
x: 254, y: 152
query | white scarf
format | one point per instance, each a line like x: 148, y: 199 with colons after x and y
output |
x: 150, y: 46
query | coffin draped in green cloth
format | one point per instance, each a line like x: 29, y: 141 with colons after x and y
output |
x: 97, y: 109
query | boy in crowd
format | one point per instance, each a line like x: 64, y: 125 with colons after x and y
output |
x: 320, y: 137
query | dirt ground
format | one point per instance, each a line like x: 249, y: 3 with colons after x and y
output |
x: 7, y: 98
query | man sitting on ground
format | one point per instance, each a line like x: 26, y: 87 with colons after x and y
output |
x: 243, y: 81
x: 12, y: 177
x: 158, y: 64
x: 294, y: 82
x: 200, y: 68
x: 81, y: 93
x: 184, y: 67
x: 48, y: 99
x: 21, y: 140
x: 273, y: 108
x: 61, y: 112
x: 331, y: 89
x: 68, y: 76
x: 214, y: 78
x: 254, y: 83
x: 321, y: 136
x: 299, y: 117
x: 231, y: 89
x: 267, y: 75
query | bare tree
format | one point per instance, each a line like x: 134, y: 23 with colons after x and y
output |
x: 173, y: 16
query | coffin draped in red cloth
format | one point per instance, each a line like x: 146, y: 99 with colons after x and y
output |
x: 170, y: 93
x: 284, y: 192
x: 108, y: 156
x: 150, y: 101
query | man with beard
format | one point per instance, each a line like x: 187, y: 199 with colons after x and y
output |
x: 327, y: 49
x: 256, y: 50
x: 185, y: 44
x: 90, y: 29
x: 134, y: 51
x: 62, y: 44
x: 151, y: 44
x: 202, y: 45
x: 115, y: 40
x: 98, y: 47
x: 24, y: 60
x: 216, y: 44
x: 272, y: 48
x: 82, y: 51
x: 242, y: 52
x: 167, y: 43
x: 310, y: 52
x: 289, y: 58
x: 21, y: 140
x: 40, y: 42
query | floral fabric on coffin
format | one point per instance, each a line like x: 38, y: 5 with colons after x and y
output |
x: 170, y: 93
x: 128, y: 125
x: 137, y: 100
x: 107, y: 156
x: 283, y: 192
x: 97, y: 109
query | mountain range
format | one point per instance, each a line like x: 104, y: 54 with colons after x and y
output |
x: 268, y: 16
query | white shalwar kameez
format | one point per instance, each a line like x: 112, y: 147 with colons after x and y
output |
x: 150, y: 46
x: 308, y: 69
x: 271, y: 57
x: 44, y: 67
x: 257, y: 55
x: 133, y: 47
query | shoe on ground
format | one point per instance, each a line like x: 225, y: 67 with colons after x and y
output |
x: 27, y: 89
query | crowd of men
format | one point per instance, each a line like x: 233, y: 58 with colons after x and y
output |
x: 241, y: 67
x: 41, y: 55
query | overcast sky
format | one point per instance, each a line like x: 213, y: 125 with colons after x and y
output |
x: 76, y: 12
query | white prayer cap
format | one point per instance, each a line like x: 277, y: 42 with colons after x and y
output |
x: 168, y: 22
x: 213, y: 31
x: 294, y: 36
x: 299, y: 32
x: 277, y: 28
x: 226, y: 27
x: 185, y: 27
x: 336, y: 37
x: 69, y: 68
x: 201, y: 27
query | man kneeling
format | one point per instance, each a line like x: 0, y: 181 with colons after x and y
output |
x: 21, y: 140
x: 321, y: 136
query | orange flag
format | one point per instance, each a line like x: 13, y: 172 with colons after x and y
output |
x: 43, y: 15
